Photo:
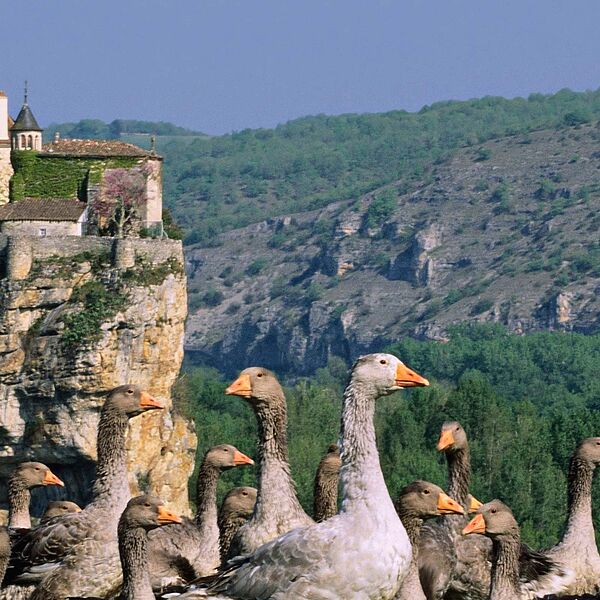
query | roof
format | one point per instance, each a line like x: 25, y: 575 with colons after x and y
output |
x: 26, y: 121
x: 43, y: 209
x: 95, y: 148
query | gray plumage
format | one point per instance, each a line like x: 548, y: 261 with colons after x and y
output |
x: 237, y: 507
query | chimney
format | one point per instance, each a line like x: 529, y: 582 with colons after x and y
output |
x: 3, y: 117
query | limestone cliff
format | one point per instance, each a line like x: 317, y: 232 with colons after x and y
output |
x: 79, y: 316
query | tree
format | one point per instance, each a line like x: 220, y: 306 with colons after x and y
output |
x: 121, y: 197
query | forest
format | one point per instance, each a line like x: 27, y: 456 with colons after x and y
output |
x: 524, y: 401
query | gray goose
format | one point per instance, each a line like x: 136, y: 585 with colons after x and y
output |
x: 4, y: 552
x: 26, y: 476
x: 417, y: 501
x: 277, y: 509
x: 577, y: 549
x: 142, y: 514
x: 325, y: 496
x: 237, y: 507
x: 77, y: 555
x: 58, y: 508
x: 334, y: 559
x: 190, y: 550
x: 496, y: 521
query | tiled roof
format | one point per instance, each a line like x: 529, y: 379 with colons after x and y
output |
x: 42, y: 209
x: 95, y: 148
x: 26, y: 121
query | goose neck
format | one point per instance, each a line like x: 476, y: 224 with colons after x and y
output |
x: 459, y: 475
x: 505, y: 570
x: 412, y: 524
x: 325, y: 497
x: 111, y: 485
x: 579, y: 522
x: 133, y: 550
x: 206, y: 518
x: 19, y: 497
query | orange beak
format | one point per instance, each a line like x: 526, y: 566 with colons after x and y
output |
x: 51, y: 479
x: 447, y: 506
x: 147, y: 402
x: 240, y: 459
x: 242, y: 386
x: 474, y: 504
x: 78, y: 509
x: 165, y: 516
x: 475, y: 525
x: 406, y: 377
x: 446, y: 440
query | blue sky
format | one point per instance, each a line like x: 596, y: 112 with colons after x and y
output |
x: 223, y: 65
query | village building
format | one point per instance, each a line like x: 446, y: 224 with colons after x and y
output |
x: 70, y: 186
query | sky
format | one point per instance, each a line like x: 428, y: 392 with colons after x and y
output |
x: 224, y: 65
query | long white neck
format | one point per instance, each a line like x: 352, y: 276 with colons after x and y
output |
x: 363, y: 486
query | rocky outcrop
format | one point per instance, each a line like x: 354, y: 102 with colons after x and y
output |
x: 74, y: 326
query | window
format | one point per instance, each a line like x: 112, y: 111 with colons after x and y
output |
x: 29, y: 142
x: 42, y: 232
x: 23, y: 142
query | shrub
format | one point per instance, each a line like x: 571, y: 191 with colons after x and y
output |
x: 483, y: 154
x: 381, y: 209
x: 256, y: 266
x: 482, y: 306
x: 212, y: 298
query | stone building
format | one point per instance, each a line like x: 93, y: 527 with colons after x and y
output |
x: 66, y: 174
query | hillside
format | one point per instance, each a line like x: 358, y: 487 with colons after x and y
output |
x: 504, y: 231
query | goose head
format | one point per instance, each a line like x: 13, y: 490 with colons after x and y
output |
x: 239, y: 502
x: 425, y: 500
x: 589, y: 450
x: 131, y: 400
x: 224, y: 457
x: 331, y: 462
x: 258, y: 386
x: 34, y: 474
x: 384, y: 373
x: 147, y: 512
x: 57, y: 508
x: 452, y: 437
x: 493, y: 519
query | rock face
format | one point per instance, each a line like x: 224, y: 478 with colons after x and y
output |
x: 72, y: 327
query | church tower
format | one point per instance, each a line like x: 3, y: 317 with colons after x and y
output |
x: 26, y: 133
x: 6, y: 169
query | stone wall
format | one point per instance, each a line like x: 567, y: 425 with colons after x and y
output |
x: 32, y: 228
x: 6, y: 172
x: 51, y: 394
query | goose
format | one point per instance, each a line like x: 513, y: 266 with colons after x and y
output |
x: 277, y: 509
x: 577, y: 548
x: 5, y: 546
x: 142, y: 514
x: 417, y: 501
x: 26, y: 476
x: 236, y: 509
x: 496, y: 521
x: 182, y: 553
x: 58, y: 508
x: 334, y: 559
x: 326, y: 484
x: 77, y: 555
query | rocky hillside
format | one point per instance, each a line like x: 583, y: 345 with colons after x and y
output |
x: 506, y: 231
x: 78, y: 317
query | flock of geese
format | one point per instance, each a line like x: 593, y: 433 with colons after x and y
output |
x: 262, y: 545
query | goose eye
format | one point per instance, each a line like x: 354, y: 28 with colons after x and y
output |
x: 457, y: 429
x: 426, y: 492
x: 494, y: 511
x: 244, y: 493
x: 130, y: 391
x: 147, y: 504
x: 259, y: 375
x: 383, y: 361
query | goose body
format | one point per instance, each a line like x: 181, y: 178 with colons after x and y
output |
x: 325, y: 497
x: 181, y: 553
x: 335, y: 559
x: 577, y: 549
x: 77, y: 554
x: 277, y: 509
x: 4, y: 552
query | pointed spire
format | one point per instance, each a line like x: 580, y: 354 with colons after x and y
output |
x: 25, y: 94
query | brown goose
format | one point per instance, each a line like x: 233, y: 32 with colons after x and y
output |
x: 496, y: 521
x: 325, y: 498
x: 26, y: 476
x: 77, y: 555
x: 58, y: 508
x: 142, y: 514
x: 577, y: 550
x: 182, y: 553
x: 334, y: 559
x: 277, y: 507
x: 418, y: 501
x: 236, y: 509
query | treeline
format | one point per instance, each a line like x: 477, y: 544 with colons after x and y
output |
x: 525, y: 402
x: 224, y: 182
